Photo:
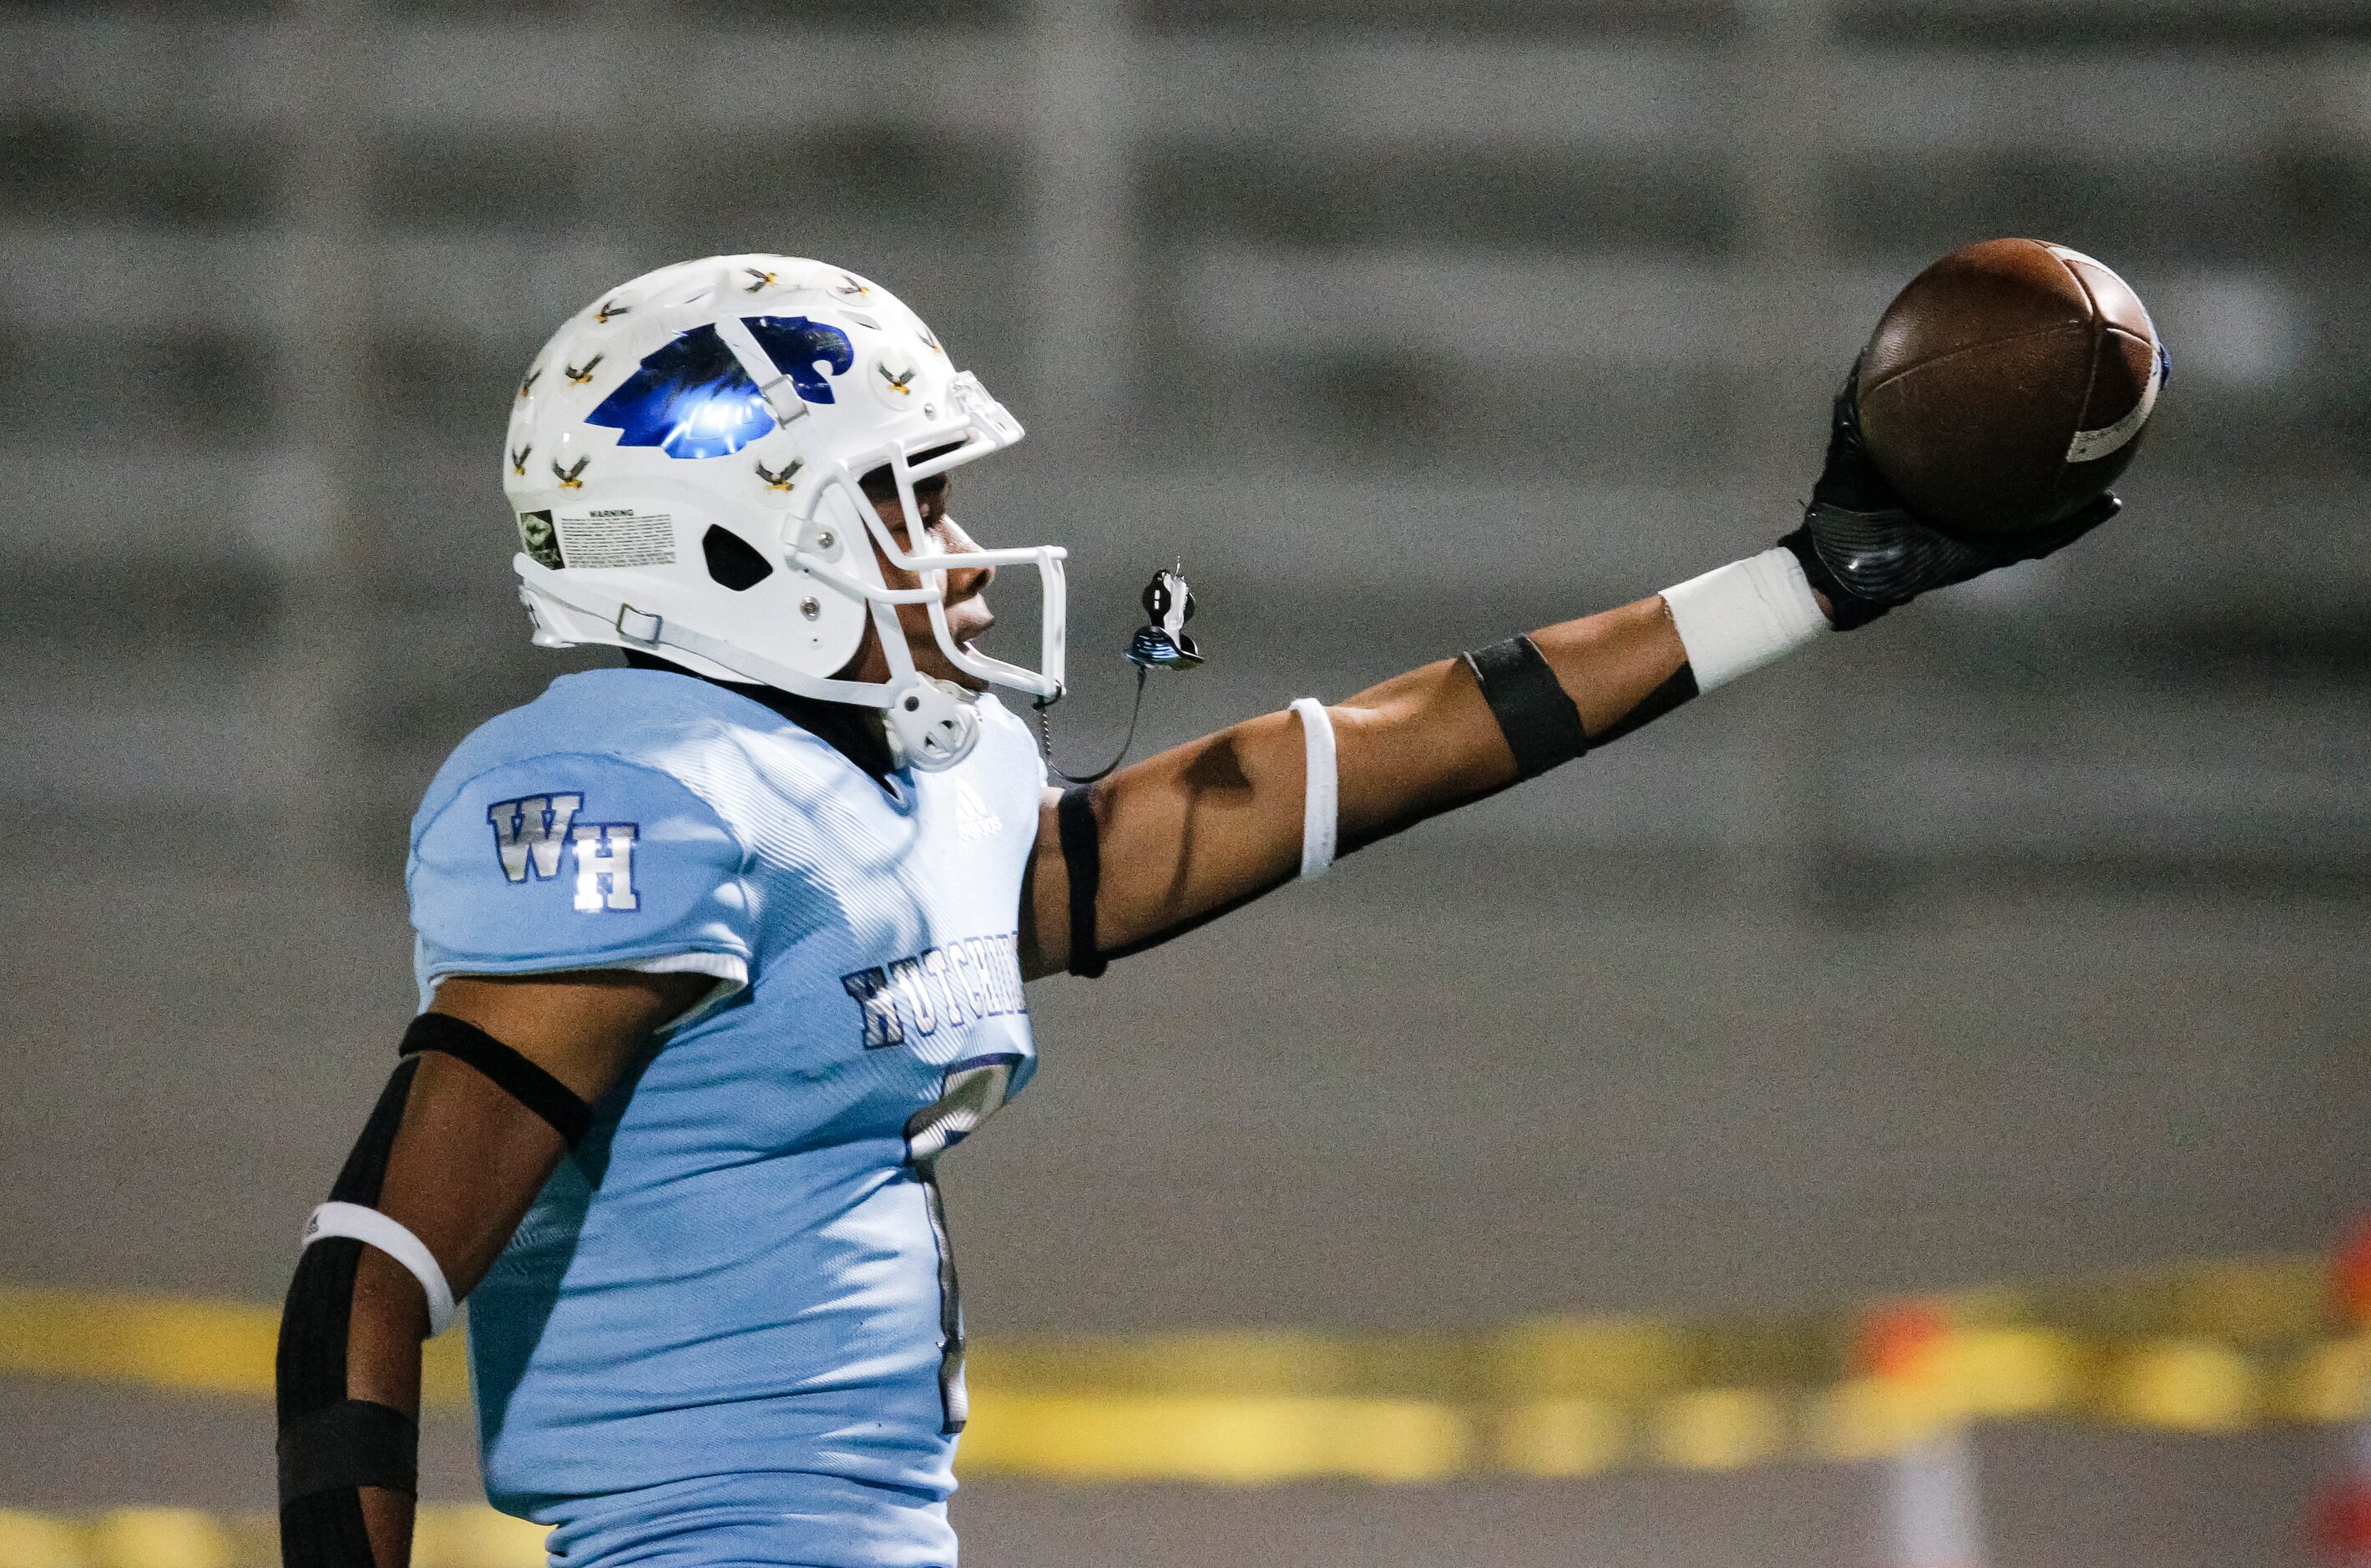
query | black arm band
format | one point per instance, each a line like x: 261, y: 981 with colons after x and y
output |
x: 352, y: 1443
x: 1082, y: 856
x: 511, y: 1072
x: 1541, y: 726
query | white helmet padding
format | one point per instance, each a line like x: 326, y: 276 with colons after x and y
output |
x: 751, y: 395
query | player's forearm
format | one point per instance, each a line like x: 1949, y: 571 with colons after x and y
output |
x: 1427, y: 741
x: 385, y: 1333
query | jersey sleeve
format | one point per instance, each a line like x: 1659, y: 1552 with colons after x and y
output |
x: 579, y: 861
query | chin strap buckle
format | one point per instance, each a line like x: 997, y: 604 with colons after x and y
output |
x: 932, y: 724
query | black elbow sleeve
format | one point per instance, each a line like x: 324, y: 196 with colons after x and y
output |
x: 329, y: 1445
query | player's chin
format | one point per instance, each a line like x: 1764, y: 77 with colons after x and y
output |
x: 966, y: 623
x: 931, y: 660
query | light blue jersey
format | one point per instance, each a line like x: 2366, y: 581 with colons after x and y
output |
x: 726, y: 1331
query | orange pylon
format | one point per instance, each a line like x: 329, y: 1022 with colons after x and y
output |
x: 1933, y: 1512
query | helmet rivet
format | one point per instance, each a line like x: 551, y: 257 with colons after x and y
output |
x: 912, y: 704
x: 827, y: 540
x: 929, y: 411
x: 810, y: 609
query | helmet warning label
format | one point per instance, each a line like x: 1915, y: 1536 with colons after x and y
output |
x: 617, y: 536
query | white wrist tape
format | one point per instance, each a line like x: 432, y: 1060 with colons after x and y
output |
x: 1741, y: 616
x: 1319, y: 806
x: 375, y: 1230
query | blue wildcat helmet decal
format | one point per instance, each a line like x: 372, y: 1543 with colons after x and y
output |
x: 691, y: 399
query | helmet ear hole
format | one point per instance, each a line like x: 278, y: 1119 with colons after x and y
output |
x: 732, y: 560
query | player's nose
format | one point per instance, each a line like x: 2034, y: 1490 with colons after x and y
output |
x: 963, y: 582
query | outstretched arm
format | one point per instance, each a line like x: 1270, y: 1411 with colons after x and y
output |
x: 454, y: 1155
x: 1186, y: 836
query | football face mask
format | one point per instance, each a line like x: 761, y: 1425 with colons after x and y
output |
x: 843, y: 498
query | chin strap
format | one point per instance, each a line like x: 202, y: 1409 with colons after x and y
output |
x: 932, y: 724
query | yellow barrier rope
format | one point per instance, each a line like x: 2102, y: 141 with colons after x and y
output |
x: 445, y: 1536
x: 156, y: 1341
x: 2209, y: 1348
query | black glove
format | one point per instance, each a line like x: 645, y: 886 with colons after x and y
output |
x: 1864, y: 548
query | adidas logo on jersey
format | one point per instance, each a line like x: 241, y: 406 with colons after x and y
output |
x: 533, y: 834
x: 960, y: 983
x: 973, y: 819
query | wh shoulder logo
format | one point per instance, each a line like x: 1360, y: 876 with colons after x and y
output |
x: 532, y: 834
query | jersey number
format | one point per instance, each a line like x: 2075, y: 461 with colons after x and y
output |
x: 970, y: 1093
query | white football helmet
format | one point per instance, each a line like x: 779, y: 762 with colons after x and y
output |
x: 685, y: 460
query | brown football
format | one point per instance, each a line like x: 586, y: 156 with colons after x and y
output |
x: 2008, y: 384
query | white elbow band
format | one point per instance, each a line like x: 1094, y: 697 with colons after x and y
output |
x: 1320, y: 809
x: 1741, y: 616
x: 373, y: 1228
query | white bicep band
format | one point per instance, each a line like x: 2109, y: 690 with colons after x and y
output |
x: 1320, y: 803
x: 1741, y: 616
x: 391, y: 1237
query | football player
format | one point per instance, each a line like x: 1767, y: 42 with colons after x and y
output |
x: 719, y: 951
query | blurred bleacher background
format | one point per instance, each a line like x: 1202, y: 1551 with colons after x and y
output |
x: 2017, y: 935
